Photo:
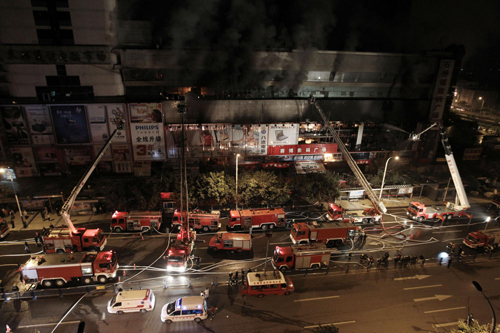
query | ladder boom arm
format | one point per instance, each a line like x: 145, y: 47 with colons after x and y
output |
x: 378, y: 204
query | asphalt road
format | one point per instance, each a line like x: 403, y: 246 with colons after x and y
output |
x: 358, y: 301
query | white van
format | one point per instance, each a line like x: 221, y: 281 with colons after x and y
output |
x: 132, y: 301
x: 185, y: 309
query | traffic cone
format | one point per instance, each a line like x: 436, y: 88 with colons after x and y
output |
x: 8, y: 329
x: 134, y: 266
x: 124, y: 273
x: 142, y: 236
x: 119, y: 279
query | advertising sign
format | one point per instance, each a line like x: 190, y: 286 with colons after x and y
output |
x: 117, y: 111
x: 283, y: 134
x: 99, y: 132
x: 48, y: 154
x: 148, y: 141
x: 50, y: 169
x: 443, y: 81
x: 145, y: 112
x: 24, y: 162
x: 14, y: 125
x: 307, y: 149
x: 250, y: 138
x: 304, y: 167
x: 78, y: 156
x: 122, y: 158
x: 70, y: 123
x: 40, y: 125
x: 97, y: 113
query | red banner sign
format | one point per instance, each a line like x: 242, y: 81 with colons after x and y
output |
x: 277, y: 165
x: 310, y: 149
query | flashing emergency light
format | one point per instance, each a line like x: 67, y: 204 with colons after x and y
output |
x: 488, y: 219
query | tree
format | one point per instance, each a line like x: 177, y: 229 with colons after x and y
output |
x: 391, y: 178
x: 6, y: 192
x: 463, y: 327
x: 214, y: 186
x: 263, y: 188
x: 317, y: 186
x: 326, y: 329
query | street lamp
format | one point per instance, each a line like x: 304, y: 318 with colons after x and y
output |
x: 482, y: 102
x: 383, y: 178
x: 2, y: 170
x: 237, y: 155
x: 480, y: 289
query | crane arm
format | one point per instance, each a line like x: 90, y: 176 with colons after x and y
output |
x: 378, y: 204
x: 66, y: 208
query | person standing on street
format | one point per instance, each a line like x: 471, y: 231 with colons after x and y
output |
x: 422, y: 260
x: 37, y: 236
x: 48, y: 216
x: 449, y: 261
x: 12, y: 217
x: 27, y: 247
x: 94, y: 210
x: 43, y: 214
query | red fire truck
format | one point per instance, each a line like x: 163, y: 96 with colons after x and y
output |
x: 197, y: 220
x: 369, y: 215
x: 231, y: 242
x: 301, y: 256
x: 483, y: 238
x: 4, y: 228
x: 263, y: 218
x: 167, y: 202
x: 135, y: 221
x: 60, y: 240
x: 261, y: 284
x: 419, y: 212
x: 333, y: 234
x: 179, y: 252
x: 59, y: 269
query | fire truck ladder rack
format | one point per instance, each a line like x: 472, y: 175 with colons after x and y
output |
x: 378, y: 204
x: 66, y: 208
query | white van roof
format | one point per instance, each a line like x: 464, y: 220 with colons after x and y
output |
x: 259, y: 278
x: 190, y: 303
x: 133, y: 294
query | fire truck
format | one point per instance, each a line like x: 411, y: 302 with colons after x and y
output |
x: 369, y: 215
x: 167, y: 202
x: 135, y: 221
x: 179, y: 253
x: 197, y: 220
x: 302, y: 256
x: 59, y: 269
x: 264, y: 218
x: 483, y: 238
x: 261, y: 284
x: 231, y: 242
x: 4, y: 228
x: 419, y: 212
x: 80, y: 239
x: 333, y: 234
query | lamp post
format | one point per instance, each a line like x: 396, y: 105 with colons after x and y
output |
x: 482, y: 103
x: 237, y: 155
x: 480, y: 289
x: 15, y: 194
x: 383, y: 178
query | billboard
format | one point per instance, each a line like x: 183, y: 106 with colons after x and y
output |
x: 78, y: 156
x: 147, y: 131
x: 14, y: 125
x: 145, y: 112
x: 48, y: 154
x: 122, y: 158
x: 98, y: 126
x: 97, y: 113
x: 283, y: 134
x: 304, y: 149
x: 117, y: 111
x: 24, y: 162
x: 252, y: 139
x: 40, y: 125
x: 70, y: 124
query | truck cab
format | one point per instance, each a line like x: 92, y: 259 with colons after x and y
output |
x: 60, y: 240
x: 283, y: 258
x: 177, y: 258
x: 300, y: 233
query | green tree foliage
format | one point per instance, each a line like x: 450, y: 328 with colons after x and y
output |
x: 135, y: 194
x: 474, y: 328
x: 317, y: 186
x: 391, y: 178
x: 214, y: 187
x: 326, y: 329
x: 6, y: 192
x: 262, y: 188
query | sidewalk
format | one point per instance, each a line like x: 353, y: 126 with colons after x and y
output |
x: 35, y: 221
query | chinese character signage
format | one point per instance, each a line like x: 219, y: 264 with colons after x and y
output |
x: 14, y: 125
x: 307, y: 149
x: 24, y: 162
x: 116, y: 112
x: 283, y: 134
x: 40, y: 125
x: 148, y: 141
x: 441, y: 90
x: 70, y: 124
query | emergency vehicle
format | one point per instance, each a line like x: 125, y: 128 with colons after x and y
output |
x: 264, y: 218
x: 261, y: 284
x: 60, y: 240
x: 367, y: 216
x: 419, y: 212
x: 132, y: 301
x: 135, y: 221
x: 190, y: 308
x: 230, y: 242
x: 302, y: 256
x: 4, y: 228
x: 179, y: 253
x: 477, y: 239
x: 197, y: 221
x: 59, y: 269
x: 333, y: 234
x: 167, y: 202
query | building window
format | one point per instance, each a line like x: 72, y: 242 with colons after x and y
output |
x: 55, y: 37
x: 61, y: 70
x: 41, y: 17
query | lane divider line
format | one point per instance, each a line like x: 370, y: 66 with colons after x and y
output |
x: 315, y: 299
x: 339, y: 323
x: 422, y: 287
x: 443, y: 310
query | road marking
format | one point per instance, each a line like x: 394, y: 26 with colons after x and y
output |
x: 450, y: 309
x: 49, y: 324
x: 439, y: 297
x: 420, y: 277
x: 455, y: 323
x: 339, y: 323
x: 433, y: 286
x: 314, y: 299
x: 497, y: 278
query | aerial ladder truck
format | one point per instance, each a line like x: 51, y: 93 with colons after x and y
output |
x: 378, y: 204
x: 73, y: 239
x: 419, y: 211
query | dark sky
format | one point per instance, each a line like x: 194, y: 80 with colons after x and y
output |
x: 241, y: 26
